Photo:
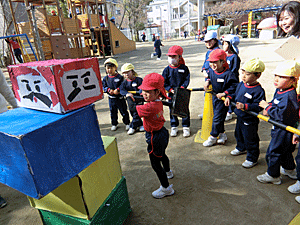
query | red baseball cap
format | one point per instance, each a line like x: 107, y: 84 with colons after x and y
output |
x: 175, y: 50
x: 154, y: 81
x: 217, y: 55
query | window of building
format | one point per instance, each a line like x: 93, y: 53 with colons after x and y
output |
x: 118, y: 12
x: 150, y: 9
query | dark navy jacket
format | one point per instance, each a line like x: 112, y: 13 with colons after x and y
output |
x: 130, y: 85
x: 112, y: 82
x: 176, y: 77
x: 234, y: 63
x: 157, y: 43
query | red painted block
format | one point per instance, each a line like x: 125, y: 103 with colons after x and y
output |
x: 56, y: 85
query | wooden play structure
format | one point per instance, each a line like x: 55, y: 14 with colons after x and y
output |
x: 87, y: 32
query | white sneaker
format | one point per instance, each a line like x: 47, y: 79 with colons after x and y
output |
x: 141, y: 129
x: 186, y: 132
x: 248, y: 164
x: 266, y: 178
x: 200, y: 116
x: 170, y: 174
x: 152, y: 55
x: 222, y: 138
x: 174, y: 131
x: 158, y: 59
x: 210, y: 141
x: 127, y: 127
x: 295, y: 188
x: 290, y: 173
x: 113, y: 127
x: 297, y: 199
x: 237, y: 152
x: 162, y: 192
x: 228, y: 117
x: 131, y: 131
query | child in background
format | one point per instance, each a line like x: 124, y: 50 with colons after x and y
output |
x: 284, y: 109
x: 17, y: 50
x: 230, y: 43
x: 177, y: 75
x: 157, y: 136
x: 111, y: 85
x: 157, y: 49
x: 223, y: 83
x: 211, y: 43
x: 131, y: 83
x: 247, y: 96
x: 288, y: 19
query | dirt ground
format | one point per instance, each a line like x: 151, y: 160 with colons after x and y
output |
x: 211, y: 186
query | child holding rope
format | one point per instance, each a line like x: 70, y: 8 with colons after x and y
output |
x: 247, y: 96
x: 284, y: 109
x: 111, y: 85
x: 157, y: 136
x: 131, y: 83
x: 223, y: 83
x: 176, y: 75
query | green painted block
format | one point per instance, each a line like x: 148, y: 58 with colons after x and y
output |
x: 114, y: 210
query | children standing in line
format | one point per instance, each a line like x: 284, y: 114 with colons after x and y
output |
x: 131, y: 83
x: 211, y: 43
x: 157, y: 49
x: 223, y: 83
x: 157, y: 136
x: 284, y: 109
x: 288, y: 19
x: 111, y: 85
x: 230, y: 43
x: 247, y: 96
x: 177, y: 75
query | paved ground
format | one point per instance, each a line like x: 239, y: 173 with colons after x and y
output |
x: 211, y: 185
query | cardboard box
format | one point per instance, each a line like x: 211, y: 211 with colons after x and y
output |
x: 57, y: 85
x: 114, y: 210
x: 82, y: 196
x: 39, y: 151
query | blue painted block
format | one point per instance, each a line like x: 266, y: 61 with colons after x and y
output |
x: 40, y: 150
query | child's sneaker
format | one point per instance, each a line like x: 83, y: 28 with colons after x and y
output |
x: 127, y: 127
x: 295, y: 188
x: 290, y: 173
x: 131, y: 131
x: 228, y: 117
x: 200, y: 116
x: 210, y: 141
x: 266, y: 178
x: 236, y: 152
x: 3, y: 203
x: 141, y: 129
x: 297, y: 199
x: 158, y: 59
x: 186, y: 132
x: 174, y: 131
x: 152, y: 55
x: 114, y: 127
x: 162, y: 192
x: 170, y: 174
x: 248, y: 164
x: 222, y: 138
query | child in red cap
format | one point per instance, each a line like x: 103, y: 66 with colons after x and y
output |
x: 177, y: 75
x: 157, y: 136
x: 223, y: 82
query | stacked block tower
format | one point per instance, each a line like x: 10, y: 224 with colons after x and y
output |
x: 51, y: 147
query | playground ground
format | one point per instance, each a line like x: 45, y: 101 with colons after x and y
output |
x: 211, y: 186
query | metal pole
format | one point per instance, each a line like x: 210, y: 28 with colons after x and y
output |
x: 189, y: 20
x: 179, y: 17
x: 39, y: 43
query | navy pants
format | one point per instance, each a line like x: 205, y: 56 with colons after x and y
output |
x: 220, y: 111
x: 297, y: 159
x: 157, y: 52
x: 280, y: 151
x: 116, y: 104
x: 247, y: 139
x: 157, y: 143
x: 174, y: 119
x: 136, y: 120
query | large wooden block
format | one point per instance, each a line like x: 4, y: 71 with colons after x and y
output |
x: 39, y: 151
x: 57, y: 85
x: 82, y: 196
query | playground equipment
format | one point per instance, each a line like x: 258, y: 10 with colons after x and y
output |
x: 87, y: 33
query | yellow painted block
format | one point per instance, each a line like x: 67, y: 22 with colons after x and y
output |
x: 89, y: 188
x: 296, y: 220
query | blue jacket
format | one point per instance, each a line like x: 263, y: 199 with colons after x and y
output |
x: 112, y: 82
x: 176, y: 77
